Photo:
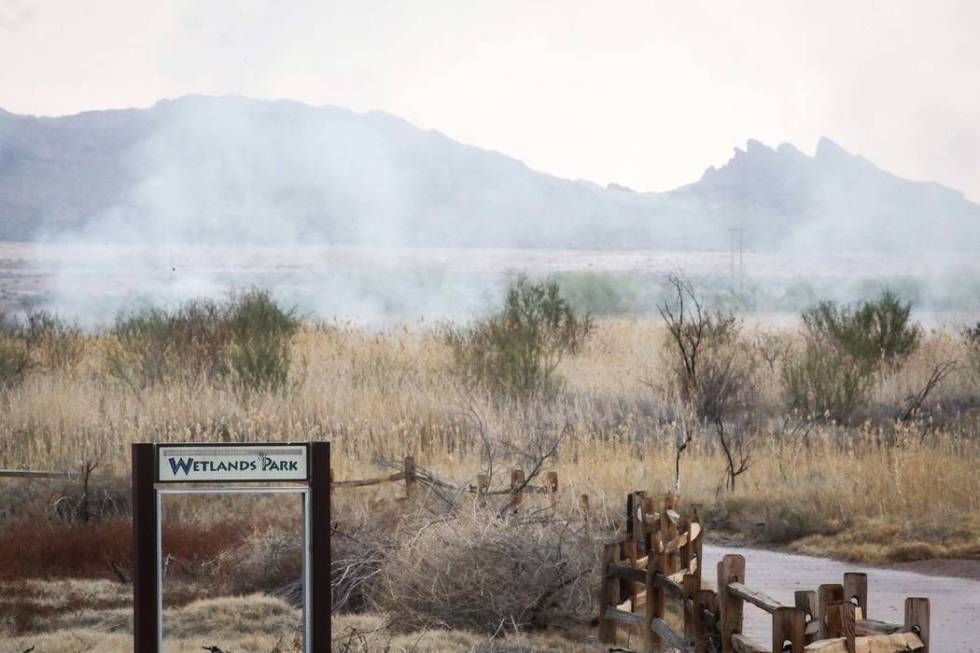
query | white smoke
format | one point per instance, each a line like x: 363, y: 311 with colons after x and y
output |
x: 364, y: 217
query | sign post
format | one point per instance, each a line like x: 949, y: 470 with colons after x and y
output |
x: 146, y: 558
x: 319, y: 513
x: 230, y: 469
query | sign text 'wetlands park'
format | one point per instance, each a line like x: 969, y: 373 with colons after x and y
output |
x: 202, y: 463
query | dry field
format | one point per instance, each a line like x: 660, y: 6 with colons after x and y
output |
x: 380, y: 397
x: 877, y: 490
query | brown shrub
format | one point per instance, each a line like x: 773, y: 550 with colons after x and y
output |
x: 266, y: 560
x: 32, y: 550
x: 482, y: 573
x: 359, y: 546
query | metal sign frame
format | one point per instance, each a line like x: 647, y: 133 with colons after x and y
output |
x: 148, y: 492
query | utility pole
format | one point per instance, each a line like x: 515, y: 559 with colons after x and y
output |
x: 736, y: 237
x: 731, y: 252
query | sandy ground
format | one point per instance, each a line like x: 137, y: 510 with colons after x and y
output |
x: 954, y: 601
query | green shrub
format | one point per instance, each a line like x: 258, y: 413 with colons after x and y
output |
x: 516, y: 351
x: 873, y: 332
x: 844, y: 347
x: 155, y: 344
x: 41, y: 340
x: 246, y: 340
x: 825, y: 382
x: 972, y: 337
x: 261, y: 332
x: 14, y: 361
x: 598, y: 293
x: 56, y: 344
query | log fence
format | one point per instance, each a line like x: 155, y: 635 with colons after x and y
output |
x: 659, y: 556
x: 518, y: 489
x: 659, y: 559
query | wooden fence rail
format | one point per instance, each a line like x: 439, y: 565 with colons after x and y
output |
x: 660, y: 556
x: 518, y: 489
x: 30, y: 473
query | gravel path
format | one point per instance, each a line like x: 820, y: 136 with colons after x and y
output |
x: 954, y: 602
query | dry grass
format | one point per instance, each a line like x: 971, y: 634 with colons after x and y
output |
x: 100, y: 606
x: 369, y: 633
x: 252, y: 624
x: 386, y: 395
x: 878, y: 490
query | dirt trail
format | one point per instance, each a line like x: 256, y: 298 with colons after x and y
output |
x: 954, y: 602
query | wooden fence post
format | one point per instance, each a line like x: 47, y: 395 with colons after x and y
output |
x: 826, y: 595
x: 517, y: 488
x: 698, y: 547
x: 856, y: 591
x: 684, y: 552
x: 662, y: 557
x: 731, y: 569
x: 806, y: 600
x: 840, y: 623
x: 668, y: 531
x: 631, y: 590
x: 630, y: 514
x: 551, y: 486
x: 708, y: 622
x: 482, y: 485
x: 583, y: 503
x: 635, y: 522
x: 608, y: 594
x: 788, y: 624
x: 846, y: 610
x: 692, y: 608
x: 917, y: 619
x: 409, y: 477
x: 649, y: 508
x: 649, y: 607
x: 655, y: 607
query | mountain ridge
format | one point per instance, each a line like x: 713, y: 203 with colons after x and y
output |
x: 230, y: 169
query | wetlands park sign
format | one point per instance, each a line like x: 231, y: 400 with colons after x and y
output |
x: 232, y: 463
x: 252, y: 468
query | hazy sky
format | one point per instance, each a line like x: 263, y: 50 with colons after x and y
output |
x: 646, y: 94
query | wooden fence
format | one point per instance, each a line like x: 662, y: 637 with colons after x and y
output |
x: 519, y: 488
x: 659, y: 557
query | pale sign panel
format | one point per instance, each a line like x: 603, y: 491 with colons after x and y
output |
x: 215, y: 463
